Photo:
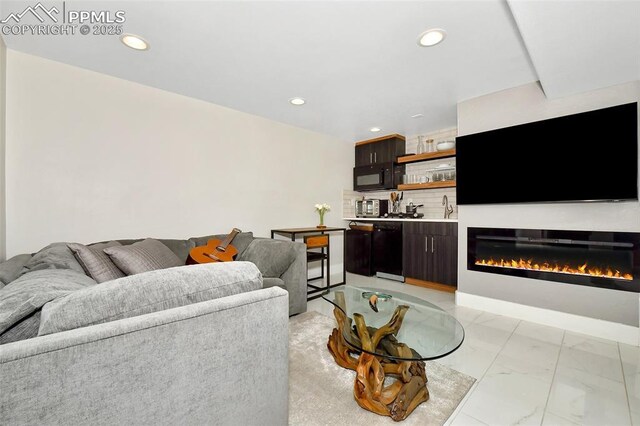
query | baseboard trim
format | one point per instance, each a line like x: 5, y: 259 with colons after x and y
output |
x: 591, y: 326
x: 430, y: 284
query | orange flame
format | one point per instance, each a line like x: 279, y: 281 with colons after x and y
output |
x: 529, y: 264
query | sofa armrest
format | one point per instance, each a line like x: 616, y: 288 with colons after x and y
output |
x: 223, y: 361
x: 295, y: 280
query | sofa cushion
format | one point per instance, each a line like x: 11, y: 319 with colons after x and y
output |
x: 23, y: 329
x: 240, y: 242
x: 180, y: 248
x: 96, y: 263
x: 273, y: 282
x: 143, y: 256
x: 11, y: 269
x: 149, y: 292
x: 272, y: 257
x: 53, y: 256
x: 22, y: 298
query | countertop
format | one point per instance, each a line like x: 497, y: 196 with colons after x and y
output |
x: 389, y: 219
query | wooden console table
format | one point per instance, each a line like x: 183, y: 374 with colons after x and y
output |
x: 292, y: 233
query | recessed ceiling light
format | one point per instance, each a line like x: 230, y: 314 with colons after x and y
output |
x: 135, y: 42
x: 375, y: 129
x: 297, y: 101
x: 431, y: 37
x: 417, y: 116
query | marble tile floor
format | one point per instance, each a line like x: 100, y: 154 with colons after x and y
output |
x: 528, y: 373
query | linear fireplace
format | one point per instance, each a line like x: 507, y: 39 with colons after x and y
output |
x: 592, y: 258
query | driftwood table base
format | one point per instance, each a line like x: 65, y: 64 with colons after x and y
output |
x: 401, y: 397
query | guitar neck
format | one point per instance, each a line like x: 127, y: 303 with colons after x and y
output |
x: 223, y: 246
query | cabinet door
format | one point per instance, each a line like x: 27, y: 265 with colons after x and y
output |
x: 364, y: 156
x: 387, y: 151
x: 415, y: 256
x: 444, y: 260
x: 383, y: 151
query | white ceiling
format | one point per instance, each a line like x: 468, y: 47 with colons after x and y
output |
x: 577, y: 46
x: 357, y: 63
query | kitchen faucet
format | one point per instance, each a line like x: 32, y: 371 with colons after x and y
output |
x: 448, y: 209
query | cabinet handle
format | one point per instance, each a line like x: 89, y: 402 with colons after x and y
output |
x: 426, y: 244
x: 375, y: 157
x: 370, y: 158
x: 432, y: 245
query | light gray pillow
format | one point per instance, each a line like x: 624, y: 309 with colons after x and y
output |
x: 144, y: 256
x: 53, y: 256
x: 145, y: 293
x: 272, y: 257
x: 10, y: 270
x: 96, y: 263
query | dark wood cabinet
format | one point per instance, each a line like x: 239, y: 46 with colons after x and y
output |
x: 364, y: 155
x: 381, y: 150
x: 431, y: 252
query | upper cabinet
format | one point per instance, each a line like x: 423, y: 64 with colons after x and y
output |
x: 380, y: 150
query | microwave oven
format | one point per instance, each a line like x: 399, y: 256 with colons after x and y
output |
x: 372, y: 208
x: 377, y: 177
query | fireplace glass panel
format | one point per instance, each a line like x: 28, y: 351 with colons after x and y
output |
x: 601, y: 259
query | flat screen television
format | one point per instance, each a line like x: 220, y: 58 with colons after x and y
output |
x: 591, y: 156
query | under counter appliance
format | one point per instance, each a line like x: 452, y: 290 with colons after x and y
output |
x: 359, y: 256
x: 387, y: 250
x: 377, y: 177
x: 372, y: 208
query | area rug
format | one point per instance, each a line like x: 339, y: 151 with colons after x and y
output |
x: 321, y: 392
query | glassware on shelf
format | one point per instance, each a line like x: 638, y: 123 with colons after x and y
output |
x: 421, y: 148
x: 430, y: 146
x: 443, y: 172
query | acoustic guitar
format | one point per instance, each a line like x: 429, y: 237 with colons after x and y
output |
x: 215, y: 250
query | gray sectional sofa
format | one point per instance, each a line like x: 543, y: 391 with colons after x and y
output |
x: 200, y: 344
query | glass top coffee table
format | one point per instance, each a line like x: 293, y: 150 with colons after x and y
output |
x: 385, y: 333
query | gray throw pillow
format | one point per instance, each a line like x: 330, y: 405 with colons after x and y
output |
x: 145, y: 293
x: 272, y: 257
x: 180, y: 248
x: 53, y: 256
x: 10, y: 270
x: 96, y: 263
x: 144, y: 256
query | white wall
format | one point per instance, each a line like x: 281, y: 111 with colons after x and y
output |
x: 526, y: 104
x: 92, y: 157
x: 3, y: 68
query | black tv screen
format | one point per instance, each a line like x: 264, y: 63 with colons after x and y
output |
x: 591, y: 156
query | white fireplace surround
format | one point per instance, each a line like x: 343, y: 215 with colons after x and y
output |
x: 598, y: 312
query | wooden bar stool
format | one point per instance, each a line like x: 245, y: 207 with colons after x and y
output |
x: 318, y: 250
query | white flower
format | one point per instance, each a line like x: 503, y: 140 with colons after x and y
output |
x: 321, y: 208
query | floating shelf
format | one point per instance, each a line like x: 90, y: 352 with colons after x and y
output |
x: 430, y: 185
x: 426, y: 156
